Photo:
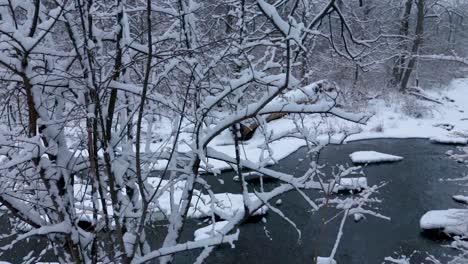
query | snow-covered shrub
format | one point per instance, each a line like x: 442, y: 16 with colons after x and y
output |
x: 379, y: 128
x: 413, y: 107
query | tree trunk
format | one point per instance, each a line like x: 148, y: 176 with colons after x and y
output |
x: 416, y: 45
x: 398, y: 67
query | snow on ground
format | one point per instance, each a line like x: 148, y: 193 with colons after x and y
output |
x: 395, y: 117
x: 372, y: 157
x: 253, y: 150
x: 448, y: 120
x: 449, y: 140
x: 209, y: 231
x: 392, y: 121
x: 451, y: 221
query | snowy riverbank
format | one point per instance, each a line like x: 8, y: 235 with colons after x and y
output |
x: 444, y: 120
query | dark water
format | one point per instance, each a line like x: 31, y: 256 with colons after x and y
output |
x: 413, y: 187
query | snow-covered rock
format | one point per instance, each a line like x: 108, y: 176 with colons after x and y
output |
x: 451, y: 221
x: 351, y: 184
x: 460, y: 198
x: 372, y: 157
x: 209, y: 231
x: 325, y: 260
x: 449, y: 140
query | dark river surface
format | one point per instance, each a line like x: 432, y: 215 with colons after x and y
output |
x: 413, y: 187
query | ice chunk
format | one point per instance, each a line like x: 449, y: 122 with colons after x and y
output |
x: 451, y: 221
x: 372, y: 157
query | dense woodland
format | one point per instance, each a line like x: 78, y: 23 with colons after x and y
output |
x: 109, y: 109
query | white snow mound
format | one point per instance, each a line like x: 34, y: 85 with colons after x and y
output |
x: 451, y: 221
x: 351, y: 184
x: 372, y: 157
x: 449, y: 140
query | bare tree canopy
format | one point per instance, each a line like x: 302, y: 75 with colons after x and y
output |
x: 112, y: 111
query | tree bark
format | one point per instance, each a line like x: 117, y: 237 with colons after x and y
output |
x: 398, y: 68
x: 416, y: 45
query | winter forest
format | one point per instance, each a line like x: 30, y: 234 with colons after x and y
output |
x: 234, y: 131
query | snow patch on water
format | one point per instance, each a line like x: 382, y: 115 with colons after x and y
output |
x: 373, y: 157
x: 451, y: 221
x: 447, y: 139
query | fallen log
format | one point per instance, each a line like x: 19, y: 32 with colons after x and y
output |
x: 309, y: 94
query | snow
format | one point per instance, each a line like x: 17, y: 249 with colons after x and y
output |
x: 402, y: 260
x: 453, y: 110
x: 209, y: 231
x: 252, y: 175
x: 460, y: 198
x: 224, y: 205
x: 358, y: 217
x: 351, y: 184
x: 387, y: 120
x: 444, y: 139
x: 291, y: 30
x: 451, y: 221
x: 324, y: 260
x: 279, y: 202
x: 252, y: 150
x: 373, y: 157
